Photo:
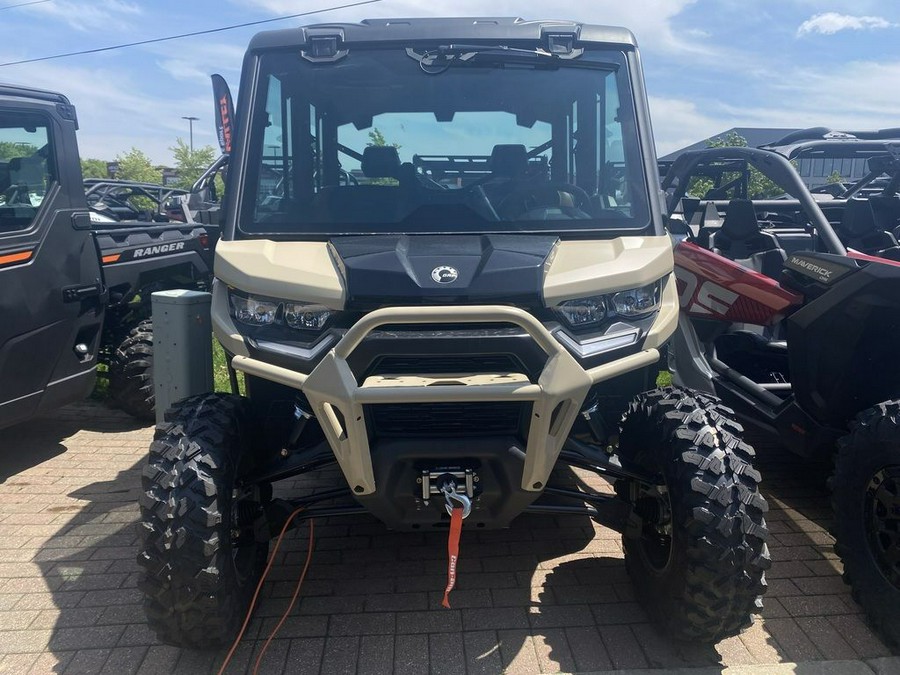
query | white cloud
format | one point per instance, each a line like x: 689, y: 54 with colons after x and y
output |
x: 830, y: 23
x: 861, y: 95
x: 678, y: 123
x: 93, y: 15
x: 196, y: 61
x: 117, y: 108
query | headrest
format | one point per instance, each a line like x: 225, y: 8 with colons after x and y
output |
x: 711, y: 216
x: 27, y: 170
x: 380, y: 161
x: 508, y: 161
x: 857, y: 219
x: 690, y: 207
x: 886, y: 211
x: 740, y: 220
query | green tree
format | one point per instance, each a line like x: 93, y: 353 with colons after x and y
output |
x: 93, y: 168
x: 9, y: 149
x: 377, y: 139
x: 835, y: 177
x: 136, y: 166
x: 191, y: 164
x: 758, y: 186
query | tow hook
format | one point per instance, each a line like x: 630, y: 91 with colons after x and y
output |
x: 451, y: 496
x: 463, y: 483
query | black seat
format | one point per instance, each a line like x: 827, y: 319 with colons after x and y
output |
x: 380, y: 161
x: 859, y: 229
x: 710, y: 223
x: 887, y: 213
x: 4, y: 177
x: 379, y: 201
x: 508, y: 161
x: 509, y: 166
x: 741, y: 240
x: 690, y: 209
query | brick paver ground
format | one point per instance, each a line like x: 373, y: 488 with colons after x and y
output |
x: 546, y: 595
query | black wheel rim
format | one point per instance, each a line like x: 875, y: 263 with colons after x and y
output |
x: 882, y: 517
x: 654, y: 506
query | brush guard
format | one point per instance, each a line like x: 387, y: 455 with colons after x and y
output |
x: 337, y: 398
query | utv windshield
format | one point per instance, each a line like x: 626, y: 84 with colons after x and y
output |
x: 398, y: 140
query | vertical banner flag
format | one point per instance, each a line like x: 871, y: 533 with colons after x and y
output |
x: 224, y: 112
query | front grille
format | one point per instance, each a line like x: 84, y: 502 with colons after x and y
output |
x: 447, y: 419
x: 446, y: 364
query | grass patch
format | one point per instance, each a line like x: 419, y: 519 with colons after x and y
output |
x: 101, y: 384
x: 664, y: 379
x: 220, y: 371
x: 220, y: 375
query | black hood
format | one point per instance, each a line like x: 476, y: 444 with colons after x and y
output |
x: 384, y: 270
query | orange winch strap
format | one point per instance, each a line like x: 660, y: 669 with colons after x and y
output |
x: 456, y: 519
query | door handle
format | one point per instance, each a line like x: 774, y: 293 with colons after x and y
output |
x: 77, y: 293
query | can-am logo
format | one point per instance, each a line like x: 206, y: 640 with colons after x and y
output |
x: 444, y: 274
x: 156, y: 250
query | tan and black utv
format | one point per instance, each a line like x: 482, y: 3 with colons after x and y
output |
x: 444, y: 269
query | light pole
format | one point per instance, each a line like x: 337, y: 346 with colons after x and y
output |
x: 191, y: 121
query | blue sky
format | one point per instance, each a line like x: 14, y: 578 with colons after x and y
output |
x: 709, y: 64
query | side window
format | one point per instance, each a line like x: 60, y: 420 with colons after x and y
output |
x: 613, y: 171
x: 26, y: 172
x: 275, y: 171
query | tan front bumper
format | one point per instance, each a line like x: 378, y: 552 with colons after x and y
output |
x: 337, y: 399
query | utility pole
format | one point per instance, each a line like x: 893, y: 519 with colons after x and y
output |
x: 191, y: 121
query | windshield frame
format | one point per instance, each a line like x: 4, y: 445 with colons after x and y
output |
x: 240, y: 200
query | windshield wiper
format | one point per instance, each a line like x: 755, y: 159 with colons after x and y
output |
x: 438, y: 60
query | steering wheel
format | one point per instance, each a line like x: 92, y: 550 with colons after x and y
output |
x: 528, y: 198
x: 16, y: 195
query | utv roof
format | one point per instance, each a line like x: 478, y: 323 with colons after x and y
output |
x: 14, y: 90
x: 826, y: 134
x: 831, y: 143
x: 492, y: 29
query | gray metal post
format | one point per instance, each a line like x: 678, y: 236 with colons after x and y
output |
x: 182, y: 346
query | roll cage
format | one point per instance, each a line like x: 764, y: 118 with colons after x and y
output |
x: 773, y: 165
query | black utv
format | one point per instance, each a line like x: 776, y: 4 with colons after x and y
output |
x: 75, y: 286
x: 444, y: 269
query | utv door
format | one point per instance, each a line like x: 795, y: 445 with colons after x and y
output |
x: 51, y: 307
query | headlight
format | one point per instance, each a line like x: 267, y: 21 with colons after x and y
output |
x: 637, y: 302
x: 631, y: 304
x: 583, y: 311
x: 304, y: 316
x: 254, y: 310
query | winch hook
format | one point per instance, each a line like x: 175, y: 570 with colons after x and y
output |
x: 451, y: 496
